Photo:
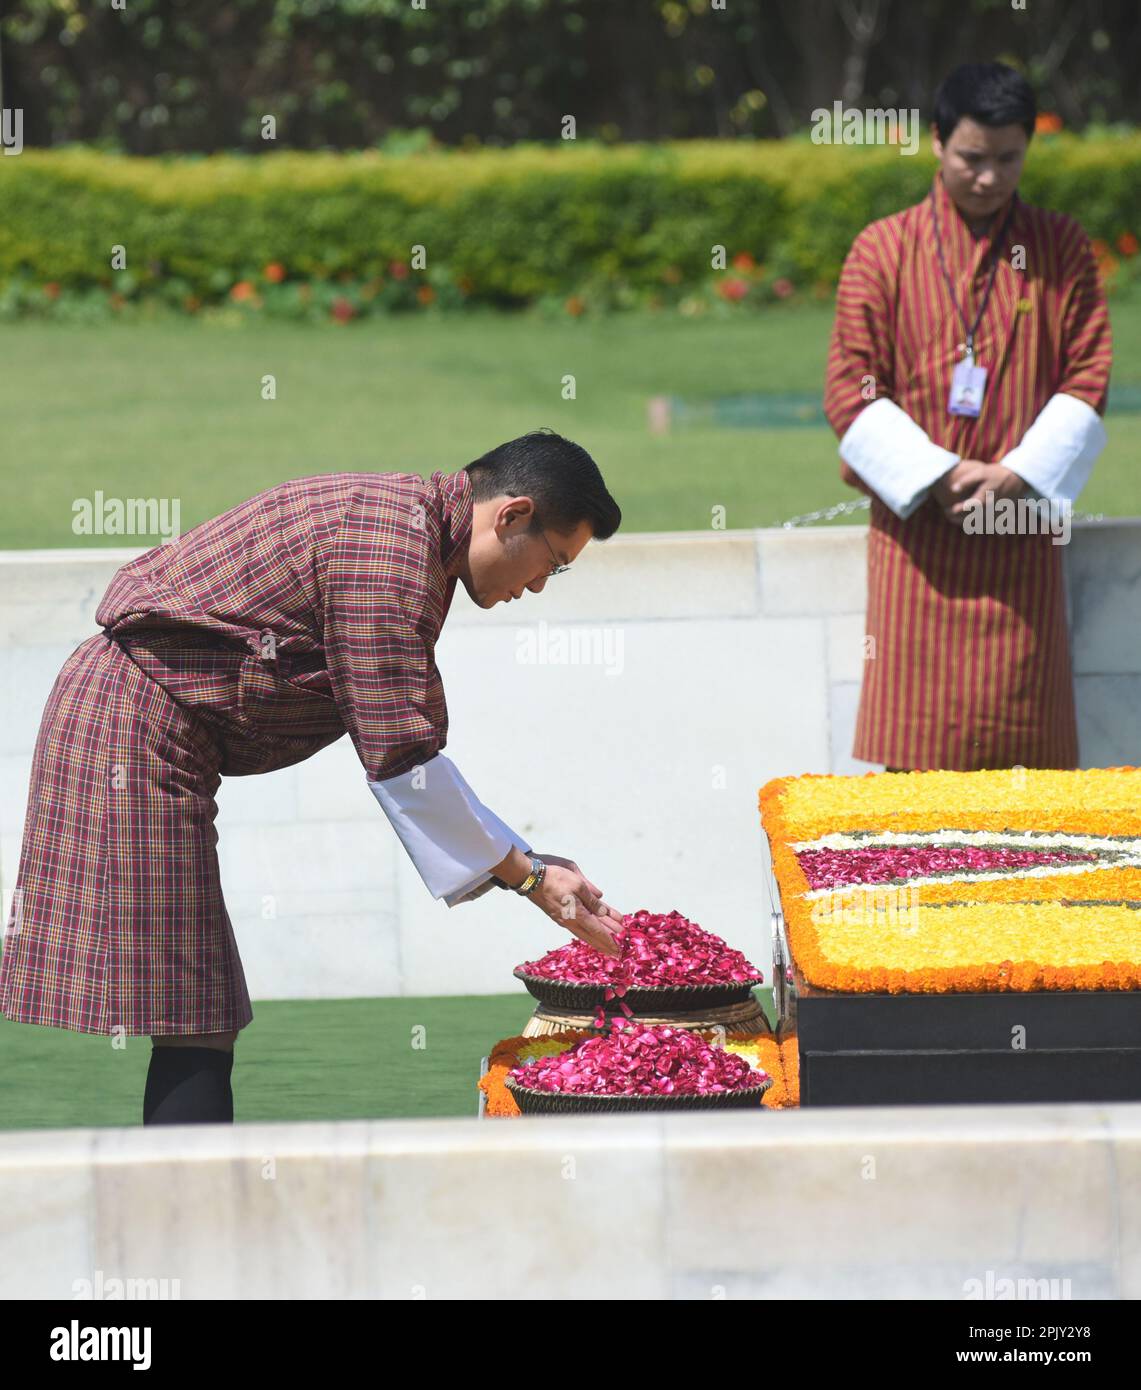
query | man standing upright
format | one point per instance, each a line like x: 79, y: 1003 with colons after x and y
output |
x: 970, y: 354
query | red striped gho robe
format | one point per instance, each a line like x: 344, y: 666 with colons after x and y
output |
x: 970, y: 663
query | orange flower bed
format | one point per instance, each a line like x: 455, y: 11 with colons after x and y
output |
x: 1032, y: 879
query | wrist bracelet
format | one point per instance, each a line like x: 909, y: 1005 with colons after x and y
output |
x: 534, y: 878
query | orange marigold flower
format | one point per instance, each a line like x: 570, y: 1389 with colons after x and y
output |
x: 242, y: 291
x: 1128, y: 244
x: 274, y: 272
x: 744, y: 260
x: 733, y: 289
x: 425, y: 294
x: 500, y: 1101
x: 790, y: 1059
x: 1047, y: 123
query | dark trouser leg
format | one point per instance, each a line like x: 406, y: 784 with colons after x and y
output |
x: 189, y: 1085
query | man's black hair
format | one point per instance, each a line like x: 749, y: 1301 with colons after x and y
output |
x: 990, y: 93
x: 559, y: 476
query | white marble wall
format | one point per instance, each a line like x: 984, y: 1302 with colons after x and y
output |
x: 709, y: 663
x: 909, y: 1202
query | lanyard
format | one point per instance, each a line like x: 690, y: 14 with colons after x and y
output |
x: 972, y: 328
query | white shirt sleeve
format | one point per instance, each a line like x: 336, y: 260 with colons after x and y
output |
x: 1056, y: 454
x: 894, y: 456
x: 449, y: 834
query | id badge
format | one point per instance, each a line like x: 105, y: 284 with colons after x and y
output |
x: 968, y: 383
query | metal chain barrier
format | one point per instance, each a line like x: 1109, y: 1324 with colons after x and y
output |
x: 863, y: 503
x: 827, y: 513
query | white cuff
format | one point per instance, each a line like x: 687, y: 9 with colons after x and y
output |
x: 1055, y: 455
x: 894, y: 456
x: 483, y: 881
x: 450, y: 835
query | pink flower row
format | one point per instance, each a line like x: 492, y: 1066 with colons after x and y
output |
x: 829, y: 868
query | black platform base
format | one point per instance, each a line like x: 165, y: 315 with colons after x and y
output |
x: 883, y: 1049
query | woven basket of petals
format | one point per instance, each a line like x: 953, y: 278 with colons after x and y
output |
x: 582, y: 998
x: 532, y: 1102
x: 667, y: 964
x: 634, y: 1067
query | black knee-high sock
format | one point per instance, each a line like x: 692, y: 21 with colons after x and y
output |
x: 188, y: 1085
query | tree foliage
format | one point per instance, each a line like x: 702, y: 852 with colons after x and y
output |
x: 196, y: 75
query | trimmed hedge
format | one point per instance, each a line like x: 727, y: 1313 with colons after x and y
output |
x: 507, y: 227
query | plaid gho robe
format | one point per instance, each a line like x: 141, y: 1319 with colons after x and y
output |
x: 312, y: 609
x: 246, y: 645
x: 970, y: 666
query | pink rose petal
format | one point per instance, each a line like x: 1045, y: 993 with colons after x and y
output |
x: 655, y: 950
x: 633, y: 1059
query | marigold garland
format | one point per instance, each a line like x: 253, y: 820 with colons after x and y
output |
x: 790, y: 1067
x: 935, y: 939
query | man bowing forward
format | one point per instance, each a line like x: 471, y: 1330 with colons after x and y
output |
x: 249, y: 644
x: 970, y: 354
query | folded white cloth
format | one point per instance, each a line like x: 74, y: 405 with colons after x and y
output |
x: 894, y: 456
x: 1056, y: 454
x: 450, y: 835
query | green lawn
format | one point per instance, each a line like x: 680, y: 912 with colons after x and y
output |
x: 174, y: 409
x: 339, y: 1059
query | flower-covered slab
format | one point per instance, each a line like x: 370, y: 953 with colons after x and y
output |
x: 929, y: 882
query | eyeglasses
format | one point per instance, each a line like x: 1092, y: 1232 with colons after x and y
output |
x: 559, y: 567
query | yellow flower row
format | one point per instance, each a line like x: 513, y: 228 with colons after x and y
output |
x: 953, y: 938
x: 1097, y: 801
x: 1106, y: 884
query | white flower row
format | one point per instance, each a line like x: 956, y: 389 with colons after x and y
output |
x: 987, y: 839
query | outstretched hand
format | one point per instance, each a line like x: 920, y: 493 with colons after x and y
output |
x: 569, y: 898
